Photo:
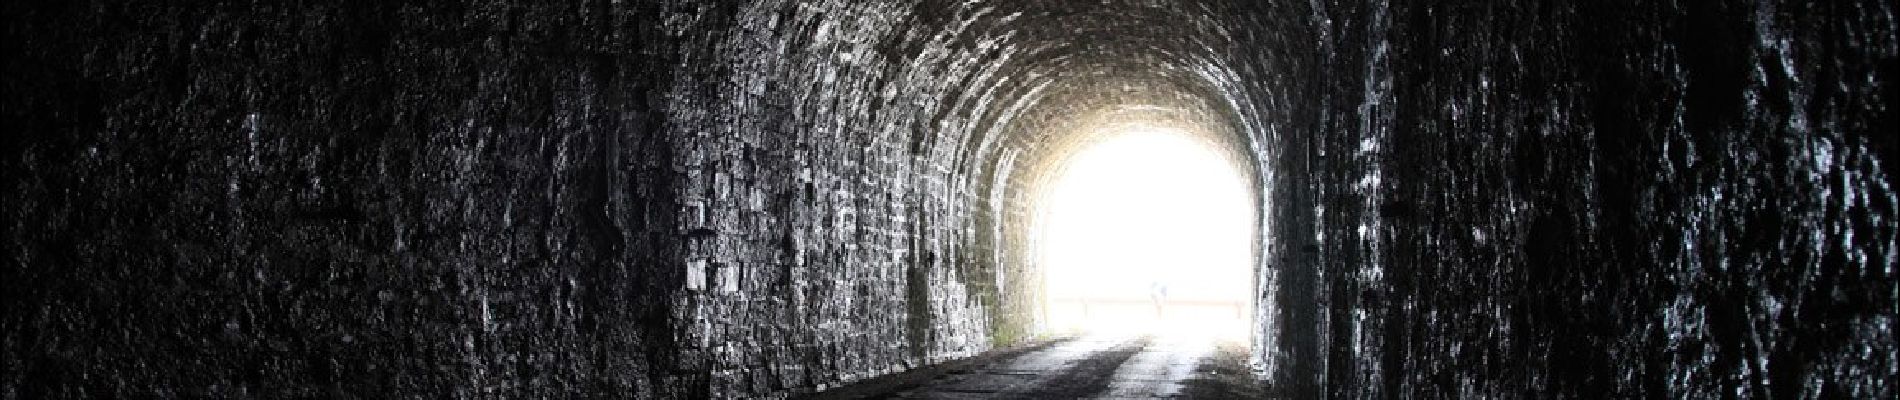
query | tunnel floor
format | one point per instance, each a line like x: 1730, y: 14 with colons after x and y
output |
x: 1089, y: 367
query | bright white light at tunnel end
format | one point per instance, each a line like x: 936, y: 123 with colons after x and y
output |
x: 1147, y: 231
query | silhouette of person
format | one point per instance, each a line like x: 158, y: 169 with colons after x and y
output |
x: 1158, y: 292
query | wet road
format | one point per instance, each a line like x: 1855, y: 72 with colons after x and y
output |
x: 1160, y: 370
x: 1097, y: 367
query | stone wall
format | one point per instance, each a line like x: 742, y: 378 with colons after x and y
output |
x: 233, y: 200
x: 1591, y: 200
x: 674, y: 199
x: 677, y: 198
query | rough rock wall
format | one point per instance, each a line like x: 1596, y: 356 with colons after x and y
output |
x: 1594, y: 200
x: 233, y: 200
x: 692, y: 198
x: 508, y: 199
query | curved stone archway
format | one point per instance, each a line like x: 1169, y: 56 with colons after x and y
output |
x: 769, y: 198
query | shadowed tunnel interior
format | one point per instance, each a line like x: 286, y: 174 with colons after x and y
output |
x: 772, y: 198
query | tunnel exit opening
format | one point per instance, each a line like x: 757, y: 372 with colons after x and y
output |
x: 1146, y: 231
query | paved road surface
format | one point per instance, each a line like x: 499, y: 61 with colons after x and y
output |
x: 1098, y: 367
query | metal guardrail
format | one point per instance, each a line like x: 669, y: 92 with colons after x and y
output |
x: 1088, y: 304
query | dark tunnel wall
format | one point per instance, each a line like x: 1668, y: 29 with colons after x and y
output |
x: 762, y: 198
x: 673, y: 199
x: 1602, y: 199
x: 365, y: 200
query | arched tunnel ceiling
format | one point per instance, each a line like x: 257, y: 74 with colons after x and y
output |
x: 1004, y: 69
x: 765, y: 198
x: 1069, y: 61
x: 1026, y: 84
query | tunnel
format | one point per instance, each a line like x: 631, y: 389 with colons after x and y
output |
x: 875, y: 199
